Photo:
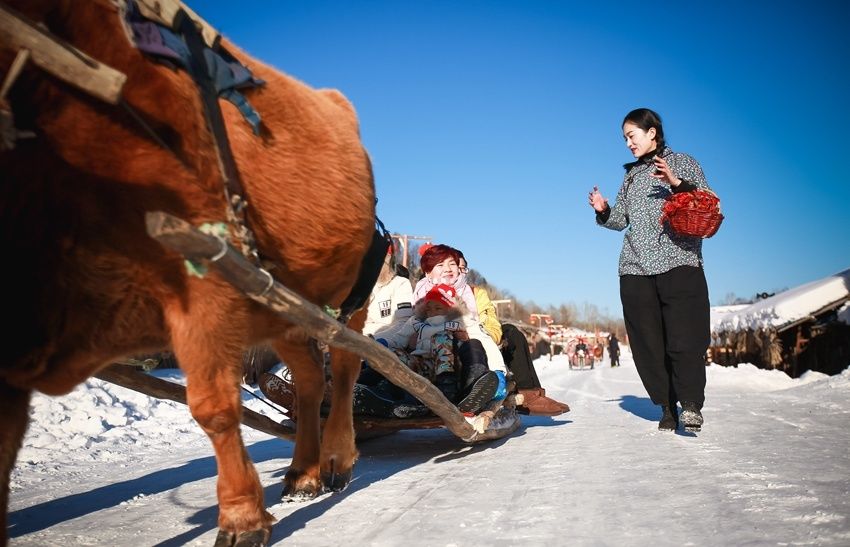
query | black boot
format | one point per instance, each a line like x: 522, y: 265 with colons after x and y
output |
x: 473, y: 360
x: 691, y: 416
x: 669, y: 420
x: 480, y: 393
x: 447, y: 384
x: 369, y: 403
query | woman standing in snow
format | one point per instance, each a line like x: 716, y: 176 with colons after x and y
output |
x: 662, y: 284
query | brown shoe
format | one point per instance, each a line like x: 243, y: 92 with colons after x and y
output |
x: 278, y: 391
x: 539, y: 392
x: 536, y: 403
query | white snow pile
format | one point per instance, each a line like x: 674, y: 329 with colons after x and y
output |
x: 784, y: 308
x: 98, y: 421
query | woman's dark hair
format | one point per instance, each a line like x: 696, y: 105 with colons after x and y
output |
x: 647, y: 119
x: 459, y: 256
x: 436, y: 254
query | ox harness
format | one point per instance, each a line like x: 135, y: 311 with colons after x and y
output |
x: 195, y: 46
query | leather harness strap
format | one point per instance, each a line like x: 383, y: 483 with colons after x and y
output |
x: 233, y: 189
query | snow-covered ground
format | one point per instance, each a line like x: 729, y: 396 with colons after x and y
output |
x: 106, y: 466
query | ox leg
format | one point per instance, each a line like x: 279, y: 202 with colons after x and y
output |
x: 212, y: 362
x: 14, y: 408
x: 302, y: 480
x: 338, y: 449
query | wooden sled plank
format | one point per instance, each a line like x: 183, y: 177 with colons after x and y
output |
x: 195, y: 245
x: 131, y: 378
x: 488, y: 425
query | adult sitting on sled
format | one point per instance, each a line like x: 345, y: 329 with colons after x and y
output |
x: 435, y: 344
x: 516, y: 355
x: 581, y: 346
x: 391, y: 301
x: 441, y: 264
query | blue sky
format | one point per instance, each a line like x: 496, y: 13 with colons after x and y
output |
x: 489, y: 121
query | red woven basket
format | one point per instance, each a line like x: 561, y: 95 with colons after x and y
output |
x: 694, y: 213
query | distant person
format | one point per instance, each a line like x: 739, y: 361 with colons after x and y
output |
x: 614, y: 350
x: 662, y: 283
x: 581, y: 346
x: 543, y: 347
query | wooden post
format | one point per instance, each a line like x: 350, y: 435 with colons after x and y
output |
x: 404, y: 241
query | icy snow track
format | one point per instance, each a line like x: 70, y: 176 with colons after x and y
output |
x: 104, y: 466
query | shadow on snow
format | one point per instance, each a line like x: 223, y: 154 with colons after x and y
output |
x: 379, y: 459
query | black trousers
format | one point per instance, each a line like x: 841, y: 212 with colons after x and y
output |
x: 667, y: 319
x: 517, y: 358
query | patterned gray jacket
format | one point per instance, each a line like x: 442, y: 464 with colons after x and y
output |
x: 650, y: 248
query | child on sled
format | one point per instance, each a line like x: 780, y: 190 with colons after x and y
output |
x: 435, y: 343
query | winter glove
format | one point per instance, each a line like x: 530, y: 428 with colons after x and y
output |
x: 382, y: 342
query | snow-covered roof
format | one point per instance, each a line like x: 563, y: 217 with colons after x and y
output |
x: 785, y: 308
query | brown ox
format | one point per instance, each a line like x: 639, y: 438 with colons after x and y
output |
x: 86, y: 285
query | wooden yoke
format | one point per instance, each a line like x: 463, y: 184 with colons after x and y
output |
x: 59, y: 58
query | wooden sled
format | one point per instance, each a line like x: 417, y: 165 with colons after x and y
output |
x: 257, y: 284
x: 488, y: 425
x: 493, y: 424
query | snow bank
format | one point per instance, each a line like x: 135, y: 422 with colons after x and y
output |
x: 103, y: 418
x: 747, y: 377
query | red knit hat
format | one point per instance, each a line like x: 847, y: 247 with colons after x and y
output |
x: 444, y: 294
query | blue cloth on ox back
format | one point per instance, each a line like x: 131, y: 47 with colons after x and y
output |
x: 227, y: 73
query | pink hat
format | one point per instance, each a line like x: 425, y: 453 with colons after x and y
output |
x: 444, y: 294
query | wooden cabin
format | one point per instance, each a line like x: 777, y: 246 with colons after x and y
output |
x: 804, y: 328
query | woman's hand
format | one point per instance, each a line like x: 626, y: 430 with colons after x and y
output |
x: 664, y: 173
x: 596, y: 200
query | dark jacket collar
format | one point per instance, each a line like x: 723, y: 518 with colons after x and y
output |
x: 646, y: 159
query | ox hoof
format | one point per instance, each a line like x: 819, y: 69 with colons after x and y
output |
x: 335, y: 481
x: 253, y: 538
x: 292, y: 494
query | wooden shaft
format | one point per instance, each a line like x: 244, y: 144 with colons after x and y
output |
x: 17, y: 66
x: 60, y: 59
x: 184, y: 238
x: 131, y: 378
